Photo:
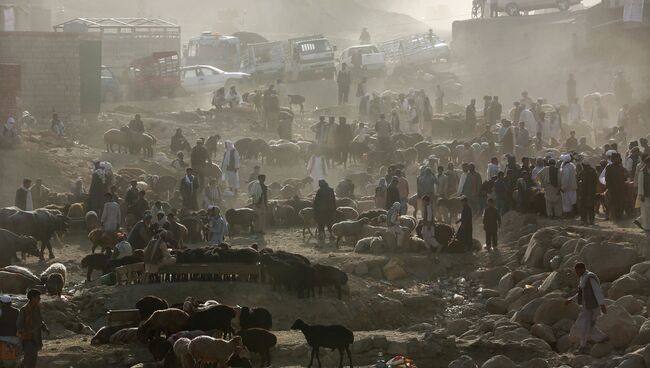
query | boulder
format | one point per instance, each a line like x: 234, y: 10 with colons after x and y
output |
x: 489, y: 277
x: 536, y: 344
x: 632, y: 361
x: 537, y: 246
x: 458, y: 327
x: 618, y: 325
x: 463, y: 362
x: 506, y: 283
x: 548, y: 256
x: 630, y: 283
x: 556, y: 280
x: 553, y: 310
x: 499, y: 361
x: 393, y: 270
x: 496, y: 306
x: 555, y: 262
x: 643, y: 337
x: 563, y: 326
x: 361, y: 269
x: 601, y: 349
x: 641, y: 268
x: 608, y: 260
x: 544, y: 332
x: 631, y: 304
x: 526, y: 314
x: 563, y: 344
x: 489, y: 293
x: 535, y: 363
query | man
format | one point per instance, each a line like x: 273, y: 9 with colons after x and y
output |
x: 583, y: 146
x: 319, y: 130
x: 470, y: 116
x: 501, y: 193
x: 592, y: 303
x: 472, y: 187
x: 364, y: 39
x: 426, y: 183
x: 317, y: 168
x: 140, y: 206
x: 136, y: 125
x: 9, y: 342
x: 132, y: 194
x: 495, y: 111
x: 392, y: 193
x: 272, y: 108
x: 233, y: 98
x: 575, y: 112
x: 253, y: 176
x: 643, y: 192
x: 549, y: 178
x: 403, y: 188
x: 528, y: 118
x: 211, y: 194
x: 491, y: 225
x: 343, y: 79
x: 330, y: 140
x: 24, y: 199
x: 442, y: 181
x: 587, y: 186
x: 631, y: 162
x: 260, y: 199
x: 492, y: 169
x: 189, y: 189
x: 494, y: 8
x: 218, y: 226
x: 198, y: 158
x: 571, y: 89
x: 140, y: 235
x: 343, y: 139
x: 324, y: 208
x: 507, y: 136
x: 30, y: 325
x: 39, y: 194
x: 464, y: 233
x: 568, y: 184
x: 523, y: 138
x: 571, y: 144
x: 453, y: 180
x: 440, y: 95
x: 175, y: 229
x: 615, y: 183
x: 111, y: 215
x: 428, y: 224
x: 382, y: 127
x: 599, y: 115
x: 56, y: 125
x: 230, y: 164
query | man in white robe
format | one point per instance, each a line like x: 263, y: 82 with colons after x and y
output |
x: 317, y: 169
x: 549, y: 179
x: 568, y: 183
x: 643, y: 192
x: 230, y: 166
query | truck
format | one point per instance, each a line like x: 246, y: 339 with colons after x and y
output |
x: 415, y: 49
x: 154, y: 75
x: 364, y: 61
x: 212, y: 48
x: 309, y: 58
x: 265, y: 61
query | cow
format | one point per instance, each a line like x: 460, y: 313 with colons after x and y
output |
x: 41, y: 224
x: 11, y: 243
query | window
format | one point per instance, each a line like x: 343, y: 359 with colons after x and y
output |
x: 208, y: 71
x: 189, y: 73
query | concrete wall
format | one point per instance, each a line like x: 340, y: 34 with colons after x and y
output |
x: 9, y: 90
x: 49, y: 67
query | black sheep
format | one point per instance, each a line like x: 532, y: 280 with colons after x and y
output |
x: 149, y: 304
x: 245, y: 255
x: 259, y: 340
x: 54, y: 284
x: 333, y: 337
x: 94, y: 262
x: 112, y: 264
x: 286, y: 256
x: 330, y: 276
x: 216, y: 317
x: 256, y: 318
x: 304, y: 279
x: 159, y: 347
x: 243, y: 217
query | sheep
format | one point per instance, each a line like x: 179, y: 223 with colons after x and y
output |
x: 168, y: 321
x: 103, y: 336
x: 255, y: 318
x: 308, y: 220
x: 76, y: 210
x: 332, y: 276
x: 346, y: 213
x: 115, y: 136
x: 105, y: 240
x: 149, y: 304
x: 241, y: 216
x: 124, y: 336
x: 182, y: 352
x: 346, y: 202
x: 206, y: 350
x: 159, y: 348
x: 350, y: 229
x: 292, y: 274
x: 54, y: 278
x: 23, y: 271
x: 94, y: 262
x: 284, y: 215
x: 259, y: 340
x: 333, y: 337
x: 371, y: 214
x: 91, y: 220
x: 365, y: 205
x: 408, y: 221
x: 288, y: 191
x: 217, y: 317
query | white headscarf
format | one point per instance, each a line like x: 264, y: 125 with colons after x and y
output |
x: 565, y: 157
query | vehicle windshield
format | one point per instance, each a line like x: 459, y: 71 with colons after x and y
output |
x: 314, y: 47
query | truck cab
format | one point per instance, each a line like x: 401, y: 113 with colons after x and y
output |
x: 264, y: 61
x: 364, y: 61
x: 310, y: 58
x: 212, y: 48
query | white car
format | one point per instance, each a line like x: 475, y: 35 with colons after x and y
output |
x: 206, y: 78
x: 514, y: 7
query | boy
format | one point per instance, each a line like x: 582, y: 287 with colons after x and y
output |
x: 491, y: 224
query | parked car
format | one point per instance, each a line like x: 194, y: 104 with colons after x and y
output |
x: 514, y: 7
x: 110, y: 85
x: 206, y: 78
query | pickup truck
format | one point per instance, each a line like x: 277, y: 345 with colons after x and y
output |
x: 310, y: 58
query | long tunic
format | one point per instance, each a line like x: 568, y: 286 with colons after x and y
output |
x: 585, y: 326
x: 96, y: 192
x: 230, y: 164
x: 317, y: 170
x: 569, y: 186
x: 325, y: 206
x: 111, y: 216
x: 643, y: 191
x: 218, y: 230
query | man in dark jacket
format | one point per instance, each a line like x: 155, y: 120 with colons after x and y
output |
x: 464, y: 234
x: 136, y: 125
x: 140, y: 235
x: 616, y: 191
x: 491, y: 224
x: 131, y: 195
x: 587, y: 185
x: 343, y: 138
x: 470, y: 116
x: 324, y: 208
x: 392, y: 193
x: 198, y: 158
x: 30, y: 325
x: 344, y: 80
x: 24, y: 199
x: 189, y: 189
x: 139, y: 207
x: 8, y: 330
x: 495, y: 111
x: 592, y: 302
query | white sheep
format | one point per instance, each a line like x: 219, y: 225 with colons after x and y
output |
x: 182, y: 352
x: 348, y: 229
x: 206, y: 350
x: 124, y: 336
x: 55, y: 268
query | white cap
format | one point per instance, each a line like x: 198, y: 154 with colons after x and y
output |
x: 5, y: 299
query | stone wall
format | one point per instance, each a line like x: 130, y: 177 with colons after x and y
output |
x: 49, y: 64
